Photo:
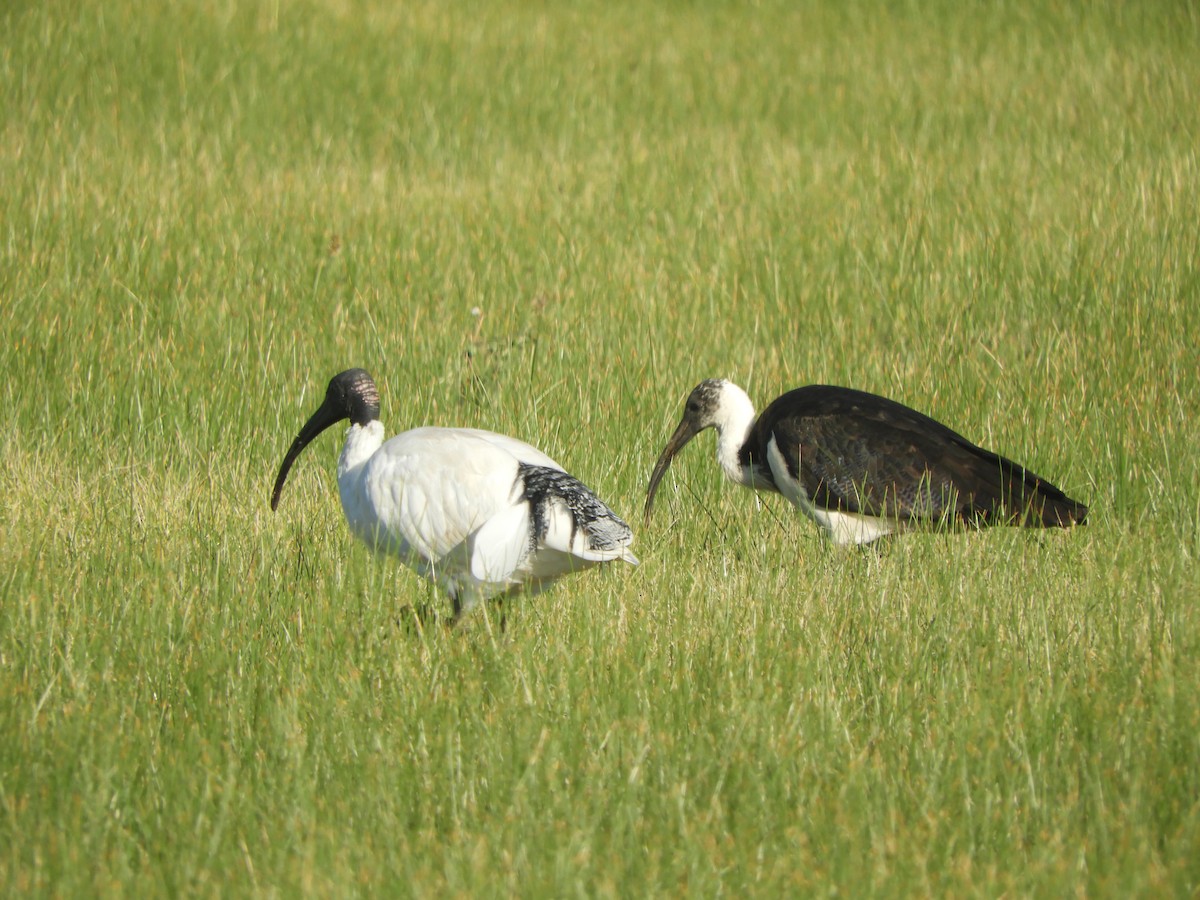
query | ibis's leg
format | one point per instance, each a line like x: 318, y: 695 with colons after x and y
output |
x: 418, y: 617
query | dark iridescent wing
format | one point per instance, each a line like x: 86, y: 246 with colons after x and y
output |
x: 862, y: 453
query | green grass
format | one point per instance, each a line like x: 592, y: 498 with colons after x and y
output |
x: 553, y: 220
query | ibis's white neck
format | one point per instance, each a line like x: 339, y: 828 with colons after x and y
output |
x: 733, y: 419
x: 361, y: 443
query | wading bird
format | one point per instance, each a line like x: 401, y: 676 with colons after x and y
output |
x: 477, y: 513
x: 862, y: 466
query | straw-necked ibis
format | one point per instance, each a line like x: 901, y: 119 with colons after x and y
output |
x: 862, y: 466
x: 478, y: 513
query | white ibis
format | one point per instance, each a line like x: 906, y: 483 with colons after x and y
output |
x: 862, y: 466
x: 477, y: 513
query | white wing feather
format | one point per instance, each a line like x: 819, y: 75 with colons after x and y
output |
x: 499, y: 546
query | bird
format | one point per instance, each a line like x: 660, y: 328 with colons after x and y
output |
x: 477, y: 513
x: 862, y: 466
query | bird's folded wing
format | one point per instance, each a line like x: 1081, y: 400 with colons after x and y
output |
x: 500, y: 545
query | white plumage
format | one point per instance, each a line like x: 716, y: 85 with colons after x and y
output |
x: 478, y: 513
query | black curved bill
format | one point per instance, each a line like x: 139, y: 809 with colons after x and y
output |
x: 684, y: 433
x: 320, y: 420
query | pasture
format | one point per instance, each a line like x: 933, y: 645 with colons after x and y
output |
x: 552, y: 220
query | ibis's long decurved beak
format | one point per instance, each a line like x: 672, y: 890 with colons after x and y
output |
x: 685, y: 432
x: 318, y: 422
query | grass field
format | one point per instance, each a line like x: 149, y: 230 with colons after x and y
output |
x: 552, y: 220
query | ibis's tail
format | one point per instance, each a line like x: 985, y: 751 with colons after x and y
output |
x: 567, y: 516
x: 1057, y: 510
x: 1033, y: 501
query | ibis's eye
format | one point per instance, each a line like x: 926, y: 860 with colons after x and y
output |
x: 693, y: 406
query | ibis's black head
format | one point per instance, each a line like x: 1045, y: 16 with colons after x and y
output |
x: 351, y: 395
x: 701, y: 411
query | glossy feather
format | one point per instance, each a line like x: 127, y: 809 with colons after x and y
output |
x: 861, y: 453
x: 863, y: 466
